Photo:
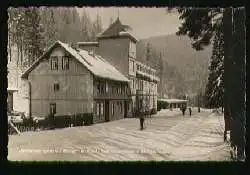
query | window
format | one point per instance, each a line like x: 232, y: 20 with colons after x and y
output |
x: 120, y: 107
x: 97, y: 109
x: 132, y: 49
x: 52, y: 108
x: 121, y: 89
x: 112, y: 108
x: 133, y: 63
x: 100, y: 87
x: 56, y: 87
x: 119, y: 104
x: 118, y: 90
x: 65, y: 63
x: 54, y: 63
x: 141, y: 84
x: 107, y: 87
x: 101, y: 108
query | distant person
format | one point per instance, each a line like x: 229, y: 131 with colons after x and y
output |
x: 183, y: 110
x: 141, y: 116
x: 190, y: 111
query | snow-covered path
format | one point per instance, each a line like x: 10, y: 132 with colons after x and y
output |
x: 168, y: 136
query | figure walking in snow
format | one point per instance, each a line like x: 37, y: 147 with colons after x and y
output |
x: 141, y: 117
x: 183, y: 110
x: 141, y: 121
x: 190, y: 111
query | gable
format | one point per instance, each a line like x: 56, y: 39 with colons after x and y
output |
x: 93, y: 63
x: 44, y: 65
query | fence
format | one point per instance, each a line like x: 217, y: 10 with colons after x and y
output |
x: 51, y: 123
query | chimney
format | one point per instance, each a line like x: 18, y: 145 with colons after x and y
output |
x: 73, y: 45
x: 91, y: 52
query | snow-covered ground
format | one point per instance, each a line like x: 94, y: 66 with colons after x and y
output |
x: 168, y: 136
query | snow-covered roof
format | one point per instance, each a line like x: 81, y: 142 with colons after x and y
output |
x: 117, y: 29
x: 87, y: 43
x: 94, y: 63
x: 130, y: 34
x: 12, y: 89
x: 155, y: 78
x: 173, y: 100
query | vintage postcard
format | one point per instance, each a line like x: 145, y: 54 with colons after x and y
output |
x: 126, y: 84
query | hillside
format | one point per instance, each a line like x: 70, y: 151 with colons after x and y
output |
x: 185, y: 69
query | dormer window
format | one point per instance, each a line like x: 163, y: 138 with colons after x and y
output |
x: 65, y: 63
x: 54, y: 63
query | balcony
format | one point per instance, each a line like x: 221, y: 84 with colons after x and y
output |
x: 111, y: 95
x: 146, y: 76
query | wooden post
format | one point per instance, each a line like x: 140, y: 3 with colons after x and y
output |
x: 30, y: 103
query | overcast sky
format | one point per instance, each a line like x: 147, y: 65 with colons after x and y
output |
x: 146, y: 22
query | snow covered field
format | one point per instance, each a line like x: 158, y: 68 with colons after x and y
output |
x: 168, y: 136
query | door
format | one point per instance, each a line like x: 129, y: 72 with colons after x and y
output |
x: 107, y: 110
x: 52, y: 108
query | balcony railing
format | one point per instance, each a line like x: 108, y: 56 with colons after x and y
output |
x: 111, y: 95
x: 146, y: 76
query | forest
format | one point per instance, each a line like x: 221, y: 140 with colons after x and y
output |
x: 31, y: 30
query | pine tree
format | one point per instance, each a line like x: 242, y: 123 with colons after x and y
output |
x: 75, y: 26
x: 200, y: 24
x: 111, y: 20
x: 33, y: 38
x: 65, y: 33
x: 49, y: 24
x: 16, y: 32
x: 215, y: 86
x: 85, y: 27
x: 161, y: 66
x: 97, y: 27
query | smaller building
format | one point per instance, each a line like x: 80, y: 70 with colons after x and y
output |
x: 67, y: 81
x: 171, y: 103
x: 10, y: 98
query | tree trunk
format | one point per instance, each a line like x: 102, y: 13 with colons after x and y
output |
x: 227, y: 28
x: 238, y: 79
x: 9, y: 45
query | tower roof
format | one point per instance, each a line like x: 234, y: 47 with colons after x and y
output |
x: 115, y: 29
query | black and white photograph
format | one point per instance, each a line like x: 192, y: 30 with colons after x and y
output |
x: 126, y: 84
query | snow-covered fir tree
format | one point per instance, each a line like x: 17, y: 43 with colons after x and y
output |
x: 49, y: 24
x: 215, y: 86
x: 97, y: 27
x: 34, y: 35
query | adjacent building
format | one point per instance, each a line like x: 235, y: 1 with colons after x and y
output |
x: 117, y: 45
x: 10, y: 98
x: 67, y: 81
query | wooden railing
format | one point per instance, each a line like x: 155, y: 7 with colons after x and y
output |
x: 110, y: 95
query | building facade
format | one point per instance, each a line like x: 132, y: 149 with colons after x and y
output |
x: 66, y: 81
x: 118, y: 46
x: 10, y: 98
